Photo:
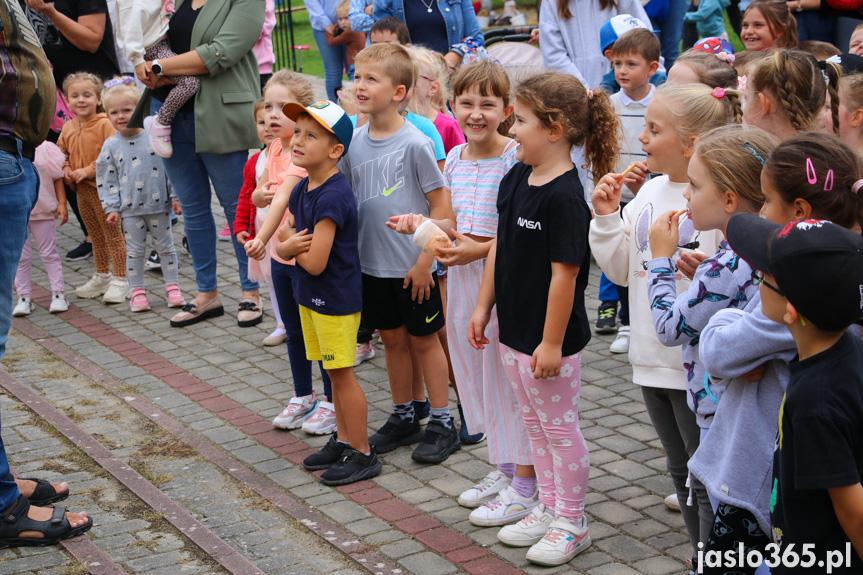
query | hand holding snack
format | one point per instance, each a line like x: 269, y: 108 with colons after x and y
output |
x: 664, y: 234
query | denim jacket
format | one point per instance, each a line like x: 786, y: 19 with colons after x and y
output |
x: 459, y: 16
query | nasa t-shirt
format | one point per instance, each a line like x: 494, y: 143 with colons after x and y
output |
x: 538, y: 225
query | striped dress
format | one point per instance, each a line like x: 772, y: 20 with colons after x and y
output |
x: 488, y: 400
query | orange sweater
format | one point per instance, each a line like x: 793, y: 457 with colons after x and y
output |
x: 81, y: 144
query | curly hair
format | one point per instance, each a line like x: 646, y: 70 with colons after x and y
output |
x: 587, y: 117
x: 695, y: 109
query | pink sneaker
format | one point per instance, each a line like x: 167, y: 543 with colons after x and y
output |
x: 225, y: 234
x: 174, y: 295
x: 139, y: 300
x: 160, y: 139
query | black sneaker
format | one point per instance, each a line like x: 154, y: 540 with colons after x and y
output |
x: 606, y: 319
x: 153, y: 261
x: 327, y: 456
x: 395, y: 433
x: 422, y: 411
x: 465, y: 436
x: 184, y: 245
x: 82, y: 252
x: 353, y: 467
x: 439, y: 442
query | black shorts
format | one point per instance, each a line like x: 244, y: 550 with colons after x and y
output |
x: 387, y: 305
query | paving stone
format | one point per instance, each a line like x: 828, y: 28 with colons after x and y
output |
x: 428, y: 563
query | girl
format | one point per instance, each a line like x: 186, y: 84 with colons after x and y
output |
x: 851, y: 112
x: 248, y: 218
x: 50, y: 205
x: 430, y: 95
x: 133, y: 185
x: 787, y: 91
x: 543, y: 220
x: 768, y: 24
x: 698, y: 67
x: 751, y: 352
x: 274, y: 189
x: 81, y: 141
x: 676, y: 115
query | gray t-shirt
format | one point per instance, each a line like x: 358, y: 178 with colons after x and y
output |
x: 390, y: 177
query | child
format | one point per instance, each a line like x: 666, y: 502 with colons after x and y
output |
x: 323, y: 215
x: 610, y: 32
x: 541, y: 233
x: 249, y: 218
x: 133, y: 185
x: 768, y: 24
x: 817, y: 467
x: 675, y: 117
x: 392, y: 170
x: 635, y: 59
x: 275, y: 184
x: 389, y: 29
x: 795, y: 105
x: 355, y: 41
x: 709, y: 18
x: 81, y: 141
x: 855, y: 44
x: 472, y: 175
x: 851, y: 111
x: 742, y: 346
x: 143, y: 37
x: 698, y: 67
x: 430, y: 95
x: 50, y: 205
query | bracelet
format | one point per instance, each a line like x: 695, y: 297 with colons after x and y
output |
x: 799, y: 6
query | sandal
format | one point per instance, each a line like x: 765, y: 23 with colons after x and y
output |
x: 44, y: 494
x: 54, y: 530
x: 249, y: 314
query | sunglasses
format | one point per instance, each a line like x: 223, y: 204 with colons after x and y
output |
x: 759, y: 278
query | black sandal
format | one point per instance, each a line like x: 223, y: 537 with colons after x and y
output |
x: 44, y: 494
x: 54, y: 530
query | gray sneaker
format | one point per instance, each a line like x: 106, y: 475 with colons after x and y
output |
x: 95, y: 286
x: 118, y: 291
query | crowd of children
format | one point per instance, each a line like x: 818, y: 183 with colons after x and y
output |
x: 737, y: 328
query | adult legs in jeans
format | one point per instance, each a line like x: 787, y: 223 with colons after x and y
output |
x: 20, y: 184
x: 678, y: 432
x: 334, y: 62
x: 284, y: 282
x: 671, y: 30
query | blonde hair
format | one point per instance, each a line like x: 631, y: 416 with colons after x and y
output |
x: 95, y: 80
x: 127, y: 89
x: 396, y: 62
x: 711, y: 71
x: 587, y: 118
x: 851, y: 88
x: 343, y: 7
x: 734, y: 158
x: 695, y: 109
x: 296, y: 83
x: 436, y: 68
x: 491, y: 79
x: 782, y: 24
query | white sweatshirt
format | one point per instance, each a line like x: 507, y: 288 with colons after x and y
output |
x: 140, y: 26
x: 621, y: 248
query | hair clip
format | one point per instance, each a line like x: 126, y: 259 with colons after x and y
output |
x: 812, y: 177
x: 590, y: 94
x: 856, y: 187
x: 755, y: 153
x: 718, y: 92
x: 119, y: 81
x: 741, y: 83
x: 828, y: 182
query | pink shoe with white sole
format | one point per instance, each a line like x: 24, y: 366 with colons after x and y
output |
x: 139, y: 300
x: 174, y: 296
x: 160, y: 139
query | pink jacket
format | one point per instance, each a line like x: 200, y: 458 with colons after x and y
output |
x: 49, y: 163
x: 264, y: 46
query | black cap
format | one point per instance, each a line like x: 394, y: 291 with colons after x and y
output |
x: 816, y: 264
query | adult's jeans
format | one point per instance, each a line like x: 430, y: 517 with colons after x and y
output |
x: 19, y: 188
x: 190, y: 174
x: 335, y: 58
x: 671, y: 30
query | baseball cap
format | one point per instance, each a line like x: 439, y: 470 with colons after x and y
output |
x: 817, y: 265
x: 617, y: 27
x: 329, y: 115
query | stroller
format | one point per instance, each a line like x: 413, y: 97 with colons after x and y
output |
x: 509, y: 47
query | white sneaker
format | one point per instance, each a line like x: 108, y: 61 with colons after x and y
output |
x: 298, y: 410
x: 621, y: 342
x: 95, y: 286
x: 23, y: 307
x: 118, y: 291
x: 485, y: 490
x: 59, y: 303
x: 506, y: 507
x: 563, y: 541
x: 672, y: 503
x: 322, y: 421
x: 529, y: 530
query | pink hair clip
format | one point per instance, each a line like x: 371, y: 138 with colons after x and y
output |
x: 718, y: 92
x: 812, y: 177
x: 741, y: 83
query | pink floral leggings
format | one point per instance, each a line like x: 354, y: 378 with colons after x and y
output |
x: 549, y: 409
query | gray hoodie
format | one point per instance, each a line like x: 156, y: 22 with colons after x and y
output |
x: 735, y: 460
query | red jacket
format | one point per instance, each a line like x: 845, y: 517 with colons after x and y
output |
x: 244, y: 220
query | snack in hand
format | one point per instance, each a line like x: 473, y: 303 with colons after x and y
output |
x: 430, y: 237
x: 628, y: 169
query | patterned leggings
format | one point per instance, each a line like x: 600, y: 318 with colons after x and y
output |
x: 731, y: 527
x: 185, y: 86
x: 549, y: 409
x: 135, y: 229
x: 108, y: 244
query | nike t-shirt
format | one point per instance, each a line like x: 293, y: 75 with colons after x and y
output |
x: 390, y: 177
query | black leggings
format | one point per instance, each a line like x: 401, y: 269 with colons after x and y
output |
x: 732, y: 526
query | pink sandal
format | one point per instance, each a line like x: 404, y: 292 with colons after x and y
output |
x: 139, y: 300
x: 174, y: 295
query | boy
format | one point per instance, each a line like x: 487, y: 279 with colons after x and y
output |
x: 389, y: 29
x: 855, y: 45
x: 817, y: 501
x: 610, y: 32
x: 354, y: 41
x: 322, y: 208
x: 391, y: 167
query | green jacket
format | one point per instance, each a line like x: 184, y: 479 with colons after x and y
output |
x: 224, y: 34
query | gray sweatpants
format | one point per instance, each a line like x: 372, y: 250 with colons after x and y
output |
x: 679, y: 434
x: 135, y: 229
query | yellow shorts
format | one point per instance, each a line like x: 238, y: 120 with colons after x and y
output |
x: 330, y: 338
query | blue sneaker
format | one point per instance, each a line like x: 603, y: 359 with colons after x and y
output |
x: 464, y: 435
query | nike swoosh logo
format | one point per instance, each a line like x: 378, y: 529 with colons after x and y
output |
x: 430, y: 319
x: 391, y: 190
